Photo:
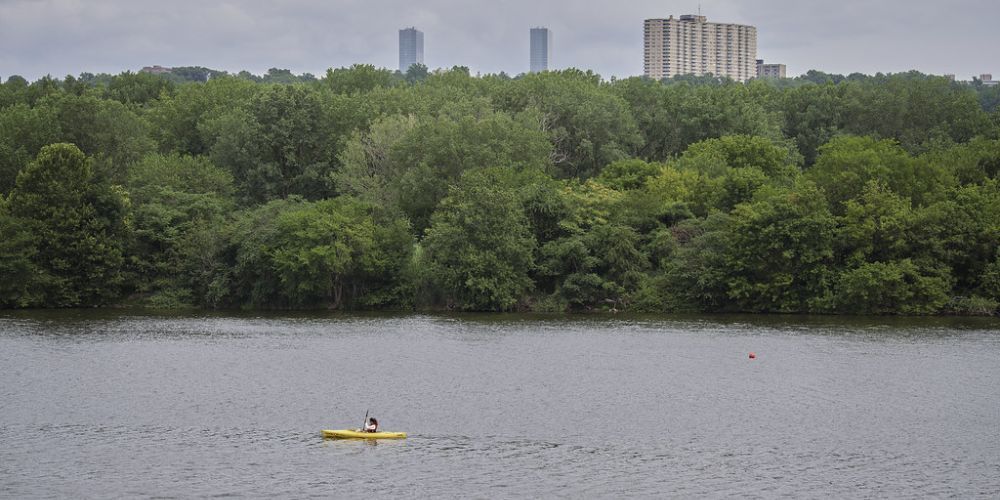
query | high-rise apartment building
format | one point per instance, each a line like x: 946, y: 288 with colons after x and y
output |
x: 690, y: 45
x: 411, y: 48
x: 541, y: 49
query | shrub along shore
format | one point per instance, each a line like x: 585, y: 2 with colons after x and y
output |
x: 558, y: 191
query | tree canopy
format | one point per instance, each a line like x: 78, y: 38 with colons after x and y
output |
x: 557, y: 191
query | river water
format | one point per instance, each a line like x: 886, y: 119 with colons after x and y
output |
x: 107, y: 404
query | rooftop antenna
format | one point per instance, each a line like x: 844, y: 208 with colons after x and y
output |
x: 699, y: 10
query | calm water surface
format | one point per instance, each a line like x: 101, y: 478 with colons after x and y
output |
x: 114, y: 404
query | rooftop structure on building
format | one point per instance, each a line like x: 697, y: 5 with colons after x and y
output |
x: 411, y: 48
x: 690, y: 45
x: 987, y: 79
x: 541, y: 49
x: 770, y: 70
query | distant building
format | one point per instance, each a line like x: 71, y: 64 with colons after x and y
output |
x: 988, y: 80
x: 411, y: 48
x: 950, y: 76
x: 156, y: 70
x: 770, y: 70
x: 541, y: 49
x: 691, y: 45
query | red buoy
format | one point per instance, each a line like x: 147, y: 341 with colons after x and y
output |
x: 753, y: 356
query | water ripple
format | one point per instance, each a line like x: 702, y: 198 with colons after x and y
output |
x: 111, y: 404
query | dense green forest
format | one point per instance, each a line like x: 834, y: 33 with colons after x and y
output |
x: 366, y: 188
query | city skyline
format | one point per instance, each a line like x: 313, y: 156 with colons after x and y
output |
x: 60, y: 37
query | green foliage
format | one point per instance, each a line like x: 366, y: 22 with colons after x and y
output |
x: 782, y: 245
x: 176, y: 119
x: 359, y: 78
x: 340, y: 252
x: 596, y: 258
x: 557, y: 191
x: 672, y: 117
x: 137, y: 88
x: 884, y: 271
x: 973, y: 162
x: 628, y: 174
x: 589, y: 127
x: 876, y: 226
x: 186, y: 74
x: 891, y: 287
x: 479, y: 247
x: 973, y: 306
x: 23, y: 281
x: 174, y: 199
x: 989, y: 97
x: 283, y: 142
x: 111, y: 133
x: 962, y: 233
x: 279, y: 76
x: 991, y: 279
x: 23, y: 132
x: 78, y: 222
x: 441, y: 92
x: 416, y: 73
x: 731, y: 169
x: 741, y: 151
x: 333, y: 253
x: 409, y: 164
x: 17, y: 90
x: 914, y: 109
x: 909, y: 108
x: 814, y: 114
x: 696, y: 278
x: 771, y: 254
x: 847, y: 164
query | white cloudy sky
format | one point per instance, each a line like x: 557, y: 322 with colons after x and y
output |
x: 60, y: 37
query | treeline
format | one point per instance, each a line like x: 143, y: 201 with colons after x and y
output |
x: 368, y: 188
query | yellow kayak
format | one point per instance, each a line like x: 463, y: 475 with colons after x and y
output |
x: 353, y: 434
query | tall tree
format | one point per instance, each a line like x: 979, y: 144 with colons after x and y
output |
x: 479, y: 248
x: 108, y: 131
x: 175, y: 200
x: 409, y: 164
x: 589, y: 126
x: 23, y: 282
x: 79, y: 220
x: 284, y: 141
x: 23, y: 132
x: 138, y: 88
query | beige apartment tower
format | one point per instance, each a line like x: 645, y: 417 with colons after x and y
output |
x: 690, y: 45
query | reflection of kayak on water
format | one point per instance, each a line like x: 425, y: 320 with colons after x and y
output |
x: 353, y: 434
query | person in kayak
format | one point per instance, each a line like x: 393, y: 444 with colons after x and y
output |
x: 372, y: 425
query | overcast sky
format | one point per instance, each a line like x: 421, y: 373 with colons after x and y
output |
x: 61, y: 37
